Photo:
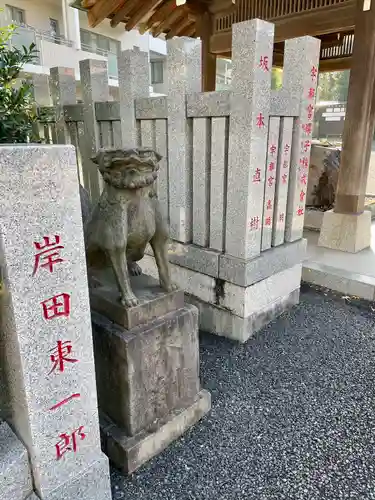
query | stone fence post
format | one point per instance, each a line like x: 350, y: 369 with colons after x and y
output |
x: 63, y: 84
x: 95, y: 88
x: 184, y: 77
x: 252, y: 49
x: 134, y: 82
x: 45, y: 331
x: 300, y: 78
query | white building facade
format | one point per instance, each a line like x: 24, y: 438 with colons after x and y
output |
x: 63, y: 38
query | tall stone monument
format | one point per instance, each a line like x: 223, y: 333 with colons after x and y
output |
x: 145, y: 338
x: 48, y: 377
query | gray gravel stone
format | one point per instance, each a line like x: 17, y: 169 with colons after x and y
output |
x: 292, y: 415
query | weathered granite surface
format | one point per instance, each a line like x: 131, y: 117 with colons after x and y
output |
x: 15, y: 476
x: 129, y: 453
x: 221, y: 321
x: 45, y: 329
x: 153, y: 302
x: 154, y: 368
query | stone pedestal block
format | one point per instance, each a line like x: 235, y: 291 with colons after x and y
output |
x: 346, y: 232
x: 148, y: 375
x: 153, y: 302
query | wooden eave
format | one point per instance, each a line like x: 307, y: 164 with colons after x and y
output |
x: 323, y: 18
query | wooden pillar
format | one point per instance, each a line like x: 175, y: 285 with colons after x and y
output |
x: 208, y: 59
x: 360, y: 115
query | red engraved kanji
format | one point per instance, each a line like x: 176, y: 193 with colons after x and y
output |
x: 314, y: 72
x: 302, y: 195
x: 310, y: 111
x: 311, y: 93
x: 263, y: 63
x: 60, y: 355
x: 270, y: 181
x: 256, y: 176
x: 59, y: 305
x: 269, y: 205
x: 260, y: 121
x: 300, y: 211
x: 254, y: 223
x: 49, y: 255
x: 271, y: 166
x: 304, y: 162
x: 273, y: 149
x: 268, y: 221
x: 307, y: 128
x: 69, y: 442
x: 284, y: 178
x: 281, y: 217
x: 286, y: 148
x: 305, y: 146
x: 64, y: 401
x: 304, y: 179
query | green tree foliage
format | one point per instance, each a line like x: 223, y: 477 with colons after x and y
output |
x: 333, y: 86
x: 277, y: 78
x: 17, y: 110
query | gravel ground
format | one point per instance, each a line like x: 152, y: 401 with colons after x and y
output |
x: 292, y: 415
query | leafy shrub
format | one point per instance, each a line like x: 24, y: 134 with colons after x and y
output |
x: 17, y: 109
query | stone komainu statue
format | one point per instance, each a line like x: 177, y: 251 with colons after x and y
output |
x: 126, y: 218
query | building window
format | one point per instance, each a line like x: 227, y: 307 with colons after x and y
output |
x: 157, y: 75
x: 15, y: 14
x: 54, y: 27
x: 99, y: 44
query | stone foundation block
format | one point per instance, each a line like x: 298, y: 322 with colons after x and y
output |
x: 246, y: 272
x: 221, y: 321
x: 245, y: 301
x: 192, y: 282
x: 129, y: 453
x: 15, y: 477
x: 346, y: 232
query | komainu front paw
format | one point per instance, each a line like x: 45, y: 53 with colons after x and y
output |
x: 129, y: 301
x: 169, y: 287
x: 134, y: 269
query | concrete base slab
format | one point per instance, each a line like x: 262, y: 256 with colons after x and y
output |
x: 346, y: 232
x: 340, y: 280
x: 221, y: 321
x: 129, y: 453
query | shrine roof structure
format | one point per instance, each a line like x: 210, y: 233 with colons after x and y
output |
x: 330, y: 20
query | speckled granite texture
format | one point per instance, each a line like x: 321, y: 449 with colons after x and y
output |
x: 292, y: 415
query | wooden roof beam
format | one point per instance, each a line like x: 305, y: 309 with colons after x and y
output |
x: 169, y: 20
x: 190, y: 31
x: 123, y: 12
x: 180, y: 26
x: 101, y: 10
x: 161, y: 13
x: 145, y: 8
